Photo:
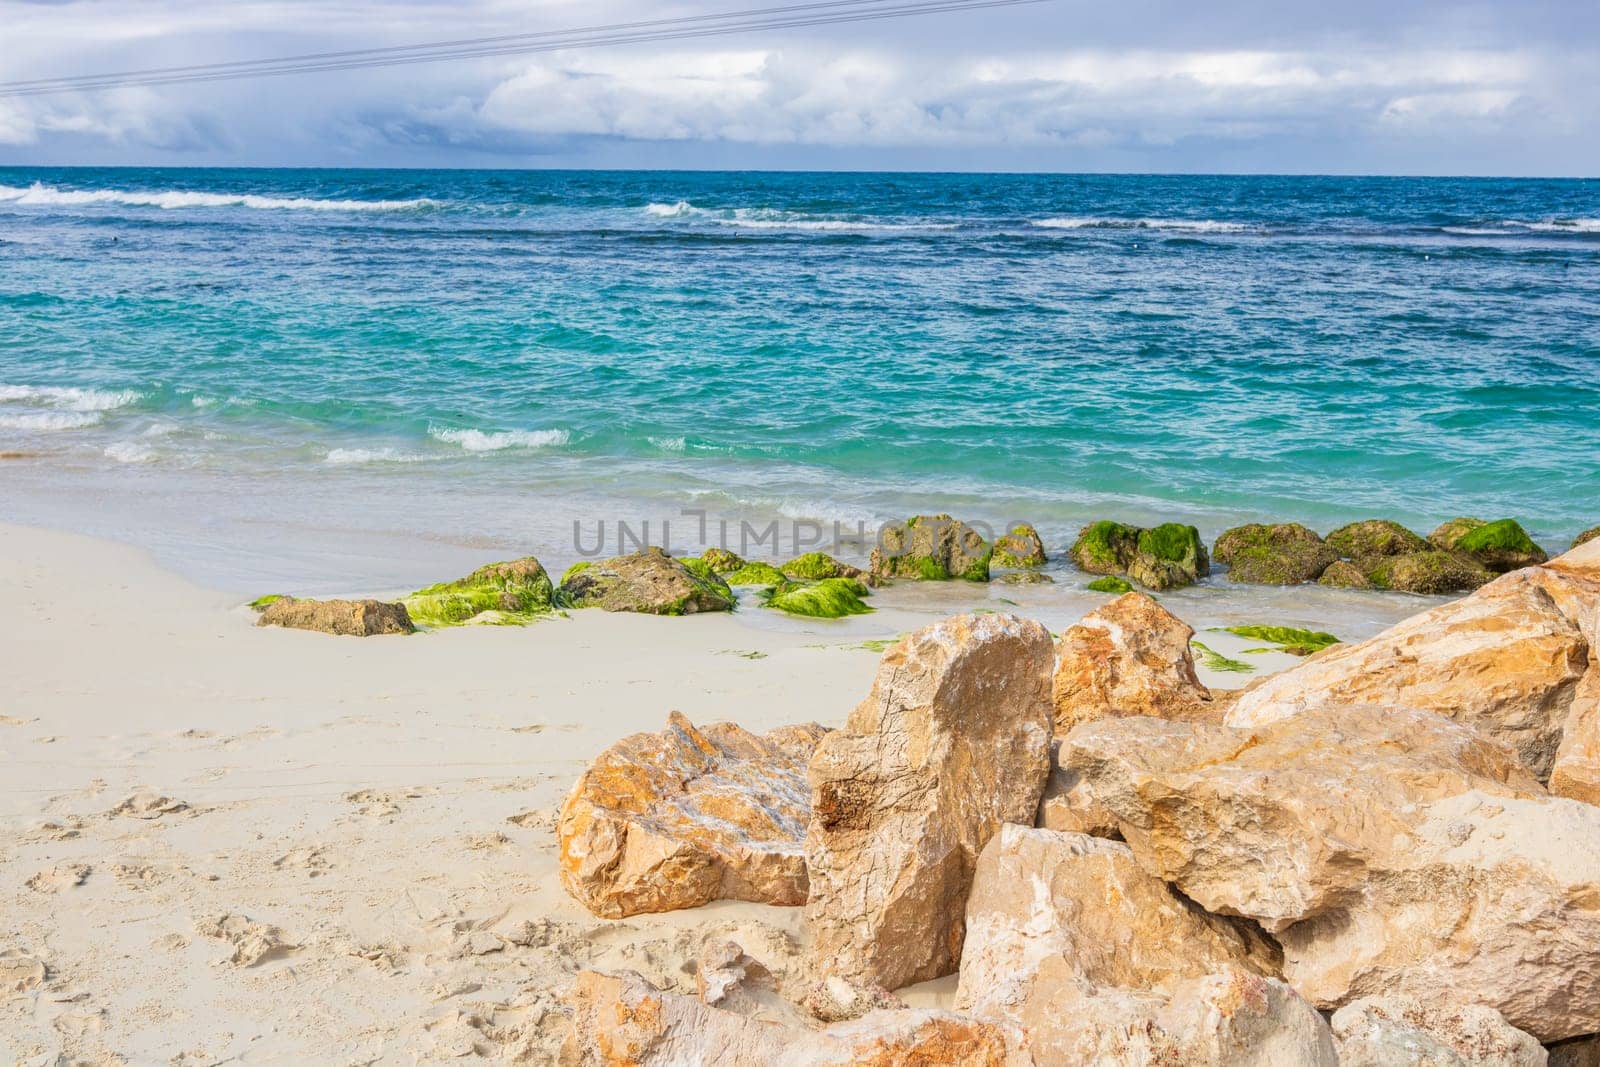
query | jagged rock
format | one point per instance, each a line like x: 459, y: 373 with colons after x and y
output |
x: 1128, y: 657
x: 1374, y: 537
x: 1022, y: 547
x: 1576, y: 770
x: 1579, y: 1052
x: 1163, y: 557
x: 649, y: 581
x: 1499, y: 546
x: 952, y: 741
x: 1341, y: 574
x: 1070, y: 806
x: 1432, y: 572
x: 932, y: 548
x: 1280, y: 554
x: 348, y: 618
x: 1507, y: 660
x: 619, y: 1020
x: 1105, y: 547
x: 679, y: 818
x: 1390, y: 850
x: 1406, y: 1032
x: 509, y: 593
x: 1588, y: 535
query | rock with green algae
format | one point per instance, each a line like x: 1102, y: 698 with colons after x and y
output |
x: 829, y: 598
x: 1499, y: 546
x: 1588, y: 535
x: 1433, y: 572
x: 1374, y: 537
x: 1029, y: 576
x: 511, y: 593
x: 755, y: 574
x: 347, y: 618
x: 1342, y: 574
x: 1021, y: 547
x: 931, y: 548
x: 814, y: 566
x: 650, y: 582
x: 1283, y: 553
x: 1169, y: 556
x: 1290, y: 639
x: 1105, y: 547
x: 721, y: 560
x: 261, y: 603
x: 1110, y: 583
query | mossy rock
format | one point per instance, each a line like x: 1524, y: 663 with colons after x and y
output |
x: 931, y: 548
x: 1105, y: 547
x: 1375, y: 537
x: 1030, y: 576
x: 721, y: 560
x: 503, y: 594
x: 1588, y: 535
x: 815, y: 566
x: 1290, y: 639
x: 1342, y: 574
x: 1283, y: 553
x: 1433, y: 571
x: 829, y: 598
x: 1499, y: 546
x: 1110, y: 583
x: 347, y: 618
x: 261, y: 603
x: 650, y: 582
x: 1021, y: 547
x: 575, y: 570
x: 755, y: 574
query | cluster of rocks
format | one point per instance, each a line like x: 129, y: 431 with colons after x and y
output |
x: 1387, y: 855
x: 1162, y: 557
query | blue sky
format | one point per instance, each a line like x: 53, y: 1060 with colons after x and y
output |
x: 1145, y: 85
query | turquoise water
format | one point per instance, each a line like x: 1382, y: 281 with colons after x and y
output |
x: 488, y: 356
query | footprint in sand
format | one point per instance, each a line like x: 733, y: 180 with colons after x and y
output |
x: 374, y: 802
x: 536, y: 819
x: 61, y: 876
x: 311, y: 859
x: 21, y: 971
x: 253, y: 942
x: 12, y: 720
x: 148, y: 805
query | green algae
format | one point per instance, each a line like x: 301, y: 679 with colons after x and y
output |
x: 1587, y: 536
x: 1172, y: 541
x: 879, y: 645
x: 575, y: 570
x: 721, y: 560
x: 1432, y: 572
x: 1111, y: 584
x: 1021, y: 547
x: 978, y: 569
x: 1503, y: 535
x: 511, y: 593
x: 830, y: 598
x: 261, y: 603
x: 1288, y: 639
x: 1105, y: 547
x: 814, y: 566
x: 1216, y: 661
x: 1374, y: 537
x: 755, y: 574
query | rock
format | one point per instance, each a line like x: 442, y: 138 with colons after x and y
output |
x: 649, y: 581
x: 1499, y: 547
x: 348, y: 618
x: 1341, y: 574
x: 1391, y: 851
x: 1576, y: 770
x: 724, y: 975
x: 830, y: 598
x: 834, y: 999
x: 1588, y: 535
x: 676, y: 819
x: 1279, y: 554
x: 1432, y: 573
x: 1022, y: 547
x: 1031, y: 576
x: 1110, y: 583
x: 1105, y: 547
x: 20, y: 972
x: 932, y: 548
x: 1403, y: 1031
x: 1579, y: 1052
x: 1128, y: 657
x: 952, y: 741
x: 1070, y: 806
x: 1374, y: 537
x: 721, y: 560
x: 755, y: 574
x: 619, y: 1020
x: 1508, y: 660
x: 510, y: 593
x: 817, y: 565
x: 1165, y: 557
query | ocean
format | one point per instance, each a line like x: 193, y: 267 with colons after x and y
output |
x: 337, y: 378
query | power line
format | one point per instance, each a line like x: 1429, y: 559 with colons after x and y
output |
x: 819, y: 13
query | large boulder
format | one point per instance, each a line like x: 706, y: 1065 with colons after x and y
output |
x: 815, y: 566
x: 1371, y: 538
x: 1105, y: 547
x: 1280, y: 554
x: 1342, y: 574
x: 1507, y: 660
x: 620, y: 1020
x: 686, y: 816
x: 1022, y: 547
x: 1391, y: 851
x: 952, y: 741
x: 347, y: 618
x: 512, y: 593
x: 649, y: 581
x: 1403, y: 1031
x: 931, y: 548
x: 1128, y: 657
x: 1499, y: 546
x: 1429, y: 572
x: 1162, y: 557
x: 1576, y: 770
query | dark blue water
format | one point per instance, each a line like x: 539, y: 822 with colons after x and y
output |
x: 823, y: 345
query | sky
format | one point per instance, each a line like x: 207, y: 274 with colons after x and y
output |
x: 1363, y: 87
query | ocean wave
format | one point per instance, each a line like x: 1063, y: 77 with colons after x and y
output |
x: 669, y: 444
x: 348, y: 456
x: 130, y: 452
x: 1521, y: 227
x: 67, y: 398
x: 40, y: 195
x: 496, y: 441
x: 1076, y: 222
x: 47, y: 421
x: 765, y: 218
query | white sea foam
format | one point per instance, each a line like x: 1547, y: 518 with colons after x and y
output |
x: 40, y: 195
x: 130, y: 452
x: 67, y: 399
x: 1566, y: 226
x: 1517, y: 227
x: 1076, y: 222
x: 669, y: 444
x: 763, y: 218
x: 481, y: 441
x: 348, y: 456
x: 47, y: 421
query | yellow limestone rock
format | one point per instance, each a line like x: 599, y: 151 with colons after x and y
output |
x: 686, y: 816
x: 952, y: 741
x: 1407, y: 1032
